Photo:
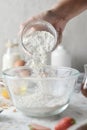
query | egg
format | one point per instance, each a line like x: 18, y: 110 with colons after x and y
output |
x: 19, y: 63
x: 5, y: 93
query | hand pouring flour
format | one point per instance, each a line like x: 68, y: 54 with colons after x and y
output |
x: 38, y: 45
x: 39, y: 38
x: 38, y: 89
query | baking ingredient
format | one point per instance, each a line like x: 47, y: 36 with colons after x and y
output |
x: 39, y: 102
x: 39, y: 44
x: 19, y: 63
x: 65, y: 123
x: 5, y: 93
x: 39, y: 40
x: 42, y: 95
x: 38, y: 127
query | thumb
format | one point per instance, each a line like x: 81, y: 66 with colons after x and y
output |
x: 59, y: 30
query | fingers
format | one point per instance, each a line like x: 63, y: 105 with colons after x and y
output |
x: 25, y: 23
x: 47, y: 16
x: 59, y: 35
x: 59, y: 38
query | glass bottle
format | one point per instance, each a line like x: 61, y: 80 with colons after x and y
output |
x: 11, y: 55
x: 60, y: 57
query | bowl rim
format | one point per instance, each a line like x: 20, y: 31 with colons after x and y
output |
x: 6, y: 73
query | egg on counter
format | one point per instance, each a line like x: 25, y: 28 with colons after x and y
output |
x: 19, y: 63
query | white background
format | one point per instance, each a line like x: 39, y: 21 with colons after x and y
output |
x: 13, y: 13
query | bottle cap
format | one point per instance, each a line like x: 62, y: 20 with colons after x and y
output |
x: 10, y: 44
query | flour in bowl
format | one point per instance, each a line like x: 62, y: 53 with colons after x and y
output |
x: 39, y: 96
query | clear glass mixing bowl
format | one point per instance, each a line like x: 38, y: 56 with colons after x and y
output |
x: 41, y: 93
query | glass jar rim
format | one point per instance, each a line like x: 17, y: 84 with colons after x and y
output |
x: 75, y: 74
x: 44, y: 23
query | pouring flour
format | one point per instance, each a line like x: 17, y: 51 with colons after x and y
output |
x: 38, y: 40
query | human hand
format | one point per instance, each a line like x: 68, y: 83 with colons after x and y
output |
x: 50, y: 16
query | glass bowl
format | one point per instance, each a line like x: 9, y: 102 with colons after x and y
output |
x: 41, y: 93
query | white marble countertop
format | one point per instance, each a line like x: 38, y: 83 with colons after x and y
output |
x: 11, y: 120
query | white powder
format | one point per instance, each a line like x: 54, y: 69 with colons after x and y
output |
x: 40, y: 102
x: 39, y: 44
x: 41, y: 96
x: 41, y: 41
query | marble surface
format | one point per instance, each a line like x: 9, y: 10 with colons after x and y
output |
x: 15, y: 120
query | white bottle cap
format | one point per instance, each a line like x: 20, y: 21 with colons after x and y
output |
x: 10, y: 44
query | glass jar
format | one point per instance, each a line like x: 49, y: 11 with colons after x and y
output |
x: 11, y: 55
x: 41, y: 43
